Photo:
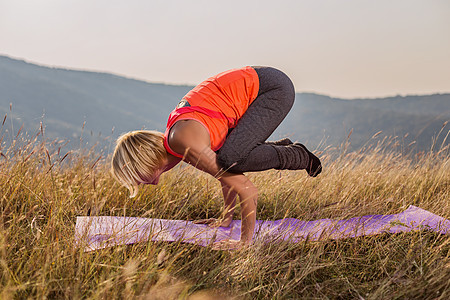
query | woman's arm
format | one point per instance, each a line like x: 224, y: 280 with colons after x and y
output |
x: 229, y: 197
x: 192, y: 140
x: 248, y: 196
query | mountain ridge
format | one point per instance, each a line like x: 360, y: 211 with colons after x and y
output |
x: 65, y: 99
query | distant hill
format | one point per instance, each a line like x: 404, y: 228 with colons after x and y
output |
x: 419, y: 118
x: 64, y: 99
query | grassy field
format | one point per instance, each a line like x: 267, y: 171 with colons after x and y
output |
x: 42, y: 191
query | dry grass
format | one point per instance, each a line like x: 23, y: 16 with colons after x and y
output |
x: 42, y: 190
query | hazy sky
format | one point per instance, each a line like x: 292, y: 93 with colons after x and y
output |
x: 346, y: 48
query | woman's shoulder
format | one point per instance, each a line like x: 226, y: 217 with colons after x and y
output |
x: 186, y: 134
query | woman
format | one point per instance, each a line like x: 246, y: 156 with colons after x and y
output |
x: 221, y: 127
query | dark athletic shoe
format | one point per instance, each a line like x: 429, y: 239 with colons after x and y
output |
x: 315, y: 166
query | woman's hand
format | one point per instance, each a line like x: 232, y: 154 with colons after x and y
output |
x: 229, y: 245
x: 214, y: 223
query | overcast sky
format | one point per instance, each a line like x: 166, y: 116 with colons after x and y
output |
x: 346, y: 48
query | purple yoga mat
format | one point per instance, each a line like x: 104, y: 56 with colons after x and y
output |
x: 99, y: 232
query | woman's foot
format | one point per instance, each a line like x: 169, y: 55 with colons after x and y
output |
x: 295, y: 156
x: 314, y: 167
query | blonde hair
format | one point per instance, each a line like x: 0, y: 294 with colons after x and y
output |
x: 138, y: 154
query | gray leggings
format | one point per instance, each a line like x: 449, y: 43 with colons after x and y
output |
x: 245, y: 149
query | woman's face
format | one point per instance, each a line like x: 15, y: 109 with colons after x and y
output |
x: 155, y: 178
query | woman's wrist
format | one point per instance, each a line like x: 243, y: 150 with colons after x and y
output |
x: 226, y: 222
x: 245, y: 241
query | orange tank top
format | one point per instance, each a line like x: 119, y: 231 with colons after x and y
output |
x: 218, y: 103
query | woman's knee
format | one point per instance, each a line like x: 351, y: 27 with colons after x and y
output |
x: 227, y: 161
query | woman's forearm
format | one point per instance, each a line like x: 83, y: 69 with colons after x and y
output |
x: 248, y: 197
x: 229, y: 197
x: 248, y: 200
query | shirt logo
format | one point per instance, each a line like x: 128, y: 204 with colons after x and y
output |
x: 183, y: 103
